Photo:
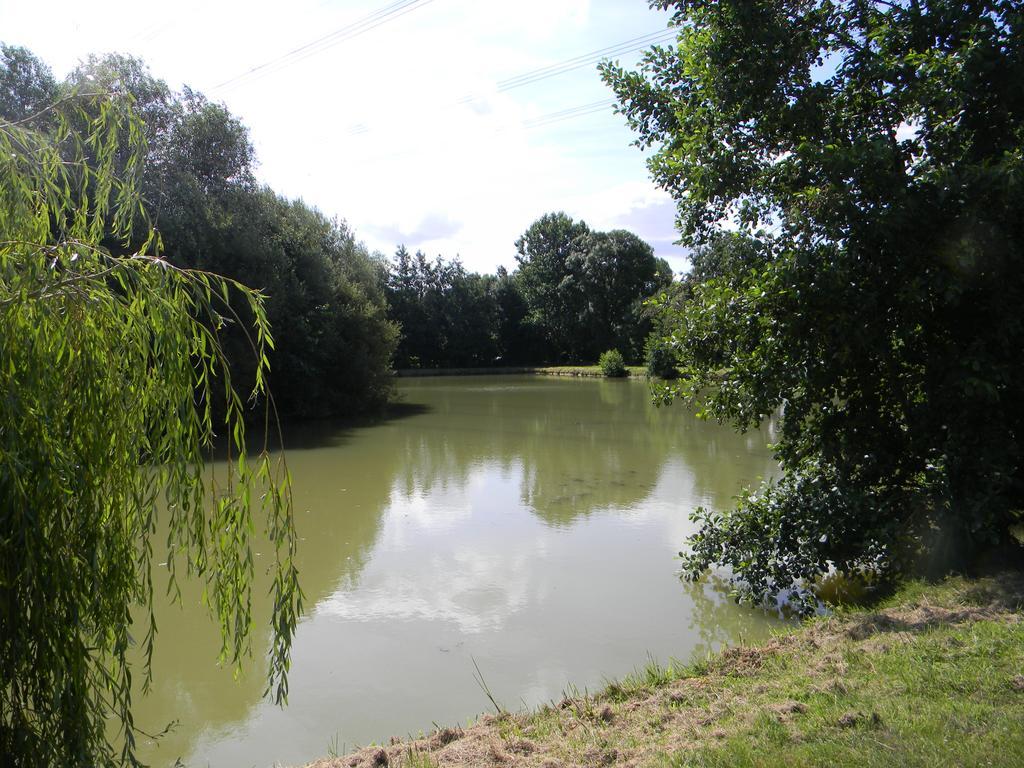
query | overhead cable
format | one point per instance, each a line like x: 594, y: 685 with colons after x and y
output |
x: 552, y: 70
x: 584, y: 59
x: 359, y: 27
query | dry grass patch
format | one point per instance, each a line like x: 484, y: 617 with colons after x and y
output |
x: 934, y: 677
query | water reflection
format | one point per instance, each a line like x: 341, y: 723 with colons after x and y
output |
x: 529, y: 523
x: 583, y: 444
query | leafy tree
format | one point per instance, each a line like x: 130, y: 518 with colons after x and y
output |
x: 406, y: 290
x: 551, y: 290
x: 615, y: 271
x: 324, y: 297
x: 660, y: 359
x: 729, y: 256
x: 208, y: 147
x: 448, y: 316
x: 470, y: 320
x: 517, y: 340
x: 116, y: 73
x: 871, y: 155
x: 576, y: 293
x: 27, y: 85
x: 584, y: 289
x: 108, y: 365
x: 335, y: 343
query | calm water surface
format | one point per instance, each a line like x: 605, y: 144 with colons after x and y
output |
x: 528, y: 523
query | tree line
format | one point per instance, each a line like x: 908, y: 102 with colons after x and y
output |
x: 576, y: 293
x: 345, y: 317
x: 326, y: 303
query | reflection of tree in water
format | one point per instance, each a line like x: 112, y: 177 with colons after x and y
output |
x: 577, y: 447
x: 715, y: 619
x: 722, y: 461
x: 580, y: 445
x: 341, y: 487
x: 728, y: 463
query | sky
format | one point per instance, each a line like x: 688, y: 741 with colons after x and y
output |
x: 430, y: 123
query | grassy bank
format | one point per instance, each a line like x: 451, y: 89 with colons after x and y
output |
x: 586, y: 370
x: 548, y: 370
x: 493, y: 371
x: 934, y: 676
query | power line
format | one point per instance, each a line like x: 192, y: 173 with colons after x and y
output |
x: 603, y: 108
x: 584, y: 59
x: 576, y: 62
x: 338, y: 36
x: 550, y: 118
x: 552, y: 70
x: 565, y: 114
x: 355, y: 29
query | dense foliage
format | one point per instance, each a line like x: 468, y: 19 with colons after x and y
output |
x: 451, y: 318
x: 660, y: 359
x: 27, y: 86
x: 585, y: 289
x: 108, y: 365
x: 611, y: 364
x: 324, y: 291
x: 869, y: 159
x: 576, y: 293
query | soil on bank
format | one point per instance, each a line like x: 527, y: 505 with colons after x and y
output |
x: 932, y: 677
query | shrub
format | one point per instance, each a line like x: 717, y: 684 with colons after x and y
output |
x: 612, y: 364
x: 661, y: 360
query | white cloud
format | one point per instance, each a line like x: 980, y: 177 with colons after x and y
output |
x: 369, y: 129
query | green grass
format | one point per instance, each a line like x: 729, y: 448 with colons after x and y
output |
x: 585, y: 370
x: 932, y: 676
x: 913, y: 693
x: 549, y: 370
x: 417, y: 759
x: 945, y: 699
x: 920, y: 679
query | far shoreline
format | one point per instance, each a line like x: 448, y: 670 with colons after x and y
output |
x: 592, y: 371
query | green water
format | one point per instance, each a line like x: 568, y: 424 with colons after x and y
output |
x: 527, y: 523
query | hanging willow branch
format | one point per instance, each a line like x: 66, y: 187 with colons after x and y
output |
x: 108, y: 368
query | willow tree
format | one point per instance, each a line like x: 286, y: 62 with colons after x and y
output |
x: 108, y: 365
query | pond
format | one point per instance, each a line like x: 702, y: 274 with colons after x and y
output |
x: 524, y: 525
